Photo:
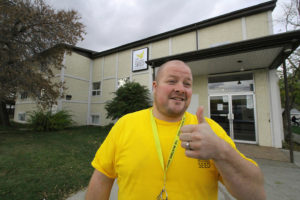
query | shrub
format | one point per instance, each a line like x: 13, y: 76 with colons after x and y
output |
x: 108, y: 127
x: 129, y: 98
x: 46, y: 121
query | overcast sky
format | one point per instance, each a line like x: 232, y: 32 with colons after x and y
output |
x: 112, y: 23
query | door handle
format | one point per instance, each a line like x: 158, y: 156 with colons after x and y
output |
x: 230, y: 116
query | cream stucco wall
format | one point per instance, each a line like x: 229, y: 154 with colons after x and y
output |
x: 107, y: 93
x: 77, y: 88
x: 160, y: 49
x: 257, y: 25
x: 262, y: 107
x: 24, y: 107
x: 200, y: 88
x: 77, y: 65
x: 124, y: 64
x: 99, y: 109
x: 109, y: 68
x: 184, y: 43
x: 97, y: 70
x: 143, y: 79
x: 97, y: 98
x: 227, y: 32
x: 77, y: 110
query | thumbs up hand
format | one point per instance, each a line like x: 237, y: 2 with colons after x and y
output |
x: 200, y: 141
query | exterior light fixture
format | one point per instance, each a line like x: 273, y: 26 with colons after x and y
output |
x: 241, y: 63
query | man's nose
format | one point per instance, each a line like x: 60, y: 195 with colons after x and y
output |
x: 179, y: 88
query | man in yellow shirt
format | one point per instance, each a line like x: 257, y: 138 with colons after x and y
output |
x: 166, y: 153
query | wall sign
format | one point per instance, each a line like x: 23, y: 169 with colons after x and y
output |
x: 139, y: 58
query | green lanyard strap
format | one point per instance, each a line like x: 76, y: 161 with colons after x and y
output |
x: 158, y: 146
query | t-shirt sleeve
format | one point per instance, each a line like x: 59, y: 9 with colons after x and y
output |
x: 105, y: 158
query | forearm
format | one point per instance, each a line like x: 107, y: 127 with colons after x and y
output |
x: 242, y: 178
x: 99, y: 187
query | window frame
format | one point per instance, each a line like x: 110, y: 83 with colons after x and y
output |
x: 95, y: 115
x: 23, y: 95
x: 97, y: 91
x: 19, y: 118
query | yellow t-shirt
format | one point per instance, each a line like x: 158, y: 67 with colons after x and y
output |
x: 129, y: 154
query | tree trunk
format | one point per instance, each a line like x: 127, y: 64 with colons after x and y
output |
x: 4, y: 117
x: 285, y: 132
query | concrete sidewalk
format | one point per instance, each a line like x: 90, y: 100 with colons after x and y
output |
x: 282, y: 178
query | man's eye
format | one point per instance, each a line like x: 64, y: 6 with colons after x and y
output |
x: 171, y: 81
x: 187, y: 84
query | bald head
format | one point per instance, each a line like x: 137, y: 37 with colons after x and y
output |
x: 169, y: 63
x: 172, y: 90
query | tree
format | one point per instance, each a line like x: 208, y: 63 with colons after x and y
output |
x: 34, y: 38
x: 290, y: 20
x: 129, y: 98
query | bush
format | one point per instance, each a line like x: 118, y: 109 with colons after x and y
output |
x: 129, y: 98
x: 46, y: 121
x: 108, y: 127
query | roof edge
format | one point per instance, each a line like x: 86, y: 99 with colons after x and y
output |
x: 82, y: 51
x: 270, y: 5
x: 288, y: 39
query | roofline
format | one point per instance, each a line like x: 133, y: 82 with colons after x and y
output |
x: 270, y: 5
x: 288, y: 40
x: 82, y: 51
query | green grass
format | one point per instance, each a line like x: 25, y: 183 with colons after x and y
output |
x: 296, y: 147
x: 296, y: 129
x: 46, y: 165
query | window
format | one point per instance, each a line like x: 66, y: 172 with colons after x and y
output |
x: 95, y: 119
x: 21, y: 117
x: 122, y: 81
x: 96, y: 88
x: 231, y: 83
x: 23, y: 95
x: 68, y: 97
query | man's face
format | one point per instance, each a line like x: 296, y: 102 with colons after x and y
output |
x: 173, y: 89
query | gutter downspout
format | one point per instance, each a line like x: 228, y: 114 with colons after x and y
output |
x: 88, y: 118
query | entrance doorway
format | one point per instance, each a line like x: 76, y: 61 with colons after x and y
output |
x: 235, y: 113
x: 231, y: 103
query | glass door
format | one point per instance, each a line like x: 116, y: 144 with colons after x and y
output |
x: 235, y: 113
x: 219, y: 111
x: 244, y: 120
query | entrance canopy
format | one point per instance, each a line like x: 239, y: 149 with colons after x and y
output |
x: 264, y: 52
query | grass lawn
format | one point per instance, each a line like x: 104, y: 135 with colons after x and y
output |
x: 46, y: 165
x: 296, y: 129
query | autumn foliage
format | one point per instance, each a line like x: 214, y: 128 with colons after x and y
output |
x: 34, y: 38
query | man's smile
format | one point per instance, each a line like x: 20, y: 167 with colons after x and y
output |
x: 178, y: 98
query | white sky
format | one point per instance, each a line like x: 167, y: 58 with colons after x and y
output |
x: 112, y: 23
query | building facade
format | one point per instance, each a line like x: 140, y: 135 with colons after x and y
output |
x: 233, y: 59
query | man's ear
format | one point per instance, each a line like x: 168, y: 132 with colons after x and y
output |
x: 154, y: 85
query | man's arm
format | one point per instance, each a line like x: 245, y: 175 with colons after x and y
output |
x: 242, y: 178
x: 99, y: 187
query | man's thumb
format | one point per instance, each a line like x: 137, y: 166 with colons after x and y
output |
x: 200, y: 115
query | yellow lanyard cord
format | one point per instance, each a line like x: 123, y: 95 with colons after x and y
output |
x: 158, y: 146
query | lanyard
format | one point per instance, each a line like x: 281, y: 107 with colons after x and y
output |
x: 158, y: 147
